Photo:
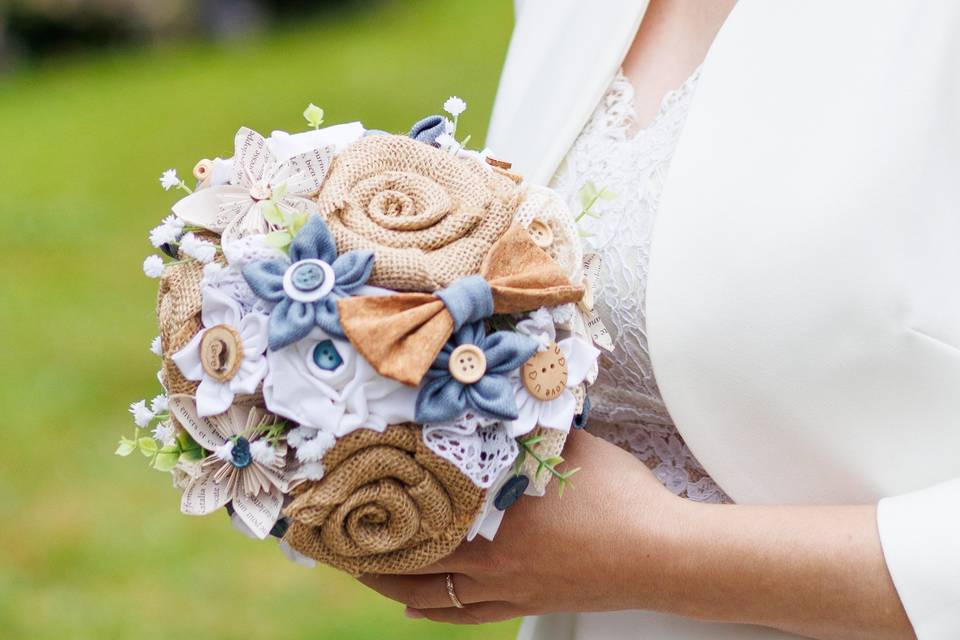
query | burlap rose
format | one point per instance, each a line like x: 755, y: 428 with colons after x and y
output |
x: 429, y: 216
x: 178, y: 318
x: 387, y: 504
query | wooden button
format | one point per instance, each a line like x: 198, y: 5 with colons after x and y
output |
x: 541, y: 233
x: 467, y: 363
x: 221, y: 352
x: 203, y: 169
x: 545, y: 373
x: 500, y: 164
x: 261, y: 191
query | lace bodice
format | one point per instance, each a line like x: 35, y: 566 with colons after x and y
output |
x: 627, y: 407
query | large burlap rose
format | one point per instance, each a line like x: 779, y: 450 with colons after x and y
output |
x: 429, y: 216
x: 178, y: 316
x: 387, y: 504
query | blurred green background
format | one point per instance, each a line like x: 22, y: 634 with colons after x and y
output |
x: 92, y: 545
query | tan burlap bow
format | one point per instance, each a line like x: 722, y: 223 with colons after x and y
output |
x: 387, y: 504
x: 429, y: 216
x: 401, y: 335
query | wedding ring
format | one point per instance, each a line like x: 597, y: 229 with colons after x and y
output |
x: 453, y: 594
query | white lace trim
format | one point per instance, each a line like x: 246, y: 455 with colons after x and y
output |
x: 479, y: 447
x: 627, y: 408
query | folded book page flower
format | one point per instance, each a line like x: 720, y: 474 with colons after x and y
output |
x: 227, y: 355
x: 322, y: 383
x: 479, y: 446
x: 544, y: 385
x: 244, y: 469
x: 472, y: 372
x: 306, y: 286
x: 234, y: 210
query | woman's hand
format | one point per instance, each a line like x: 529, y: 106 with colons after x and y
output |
x: 552, y: 553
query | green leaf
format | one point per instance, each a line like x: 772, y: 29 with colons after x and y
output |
x: 271, y: 213
x: 588, y: 194
x: 148, y: 446
x: 567, y: 474
x: 313, y: 115
x: 167, y: 458
x: 554, y: 461
x: 279, y: 239
x: 606, y: 194
x: 540, y: 467
x: 126, y: 447
x: 560, y: 486
x: 532, y: 440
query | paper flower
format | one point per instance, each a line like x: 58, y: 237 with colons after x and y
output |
x: 244, y: 469
x: 227, y: 356
x: 235, y: 210
x: 305, y: 287
x: 544, y: 386
x: 322, y: 383
x: 472, y: 372
x: 153, y: 266
x: 454, y: 106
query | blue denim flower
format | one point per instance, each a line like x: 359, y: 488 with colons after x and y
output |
x: 306, y: 286
x: 429, y: 129
x: 443, y: 397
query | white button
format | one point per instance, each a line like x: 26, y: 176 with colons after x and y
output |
x: 467, y: 363
x: 303, y: 293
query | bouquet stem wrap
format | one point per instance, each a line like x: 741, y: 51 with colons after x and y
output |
x: 387, y: 504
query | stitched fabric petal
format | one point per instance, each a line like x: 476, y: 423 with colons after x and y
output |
x: 265, y: 277
x: 506, y: 351
x: 352, y: 269
x: 290, y: 321
x: 314, y: 241
x: 440, y: 399
x: 328, y: 317
x: 213, y: 397
x: 493, y: 395
x: 429, y: 129
x: 580, y: 357
x: 558, y: 413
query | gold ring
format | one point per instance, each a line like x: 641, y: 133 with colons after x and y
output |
x: 453, y: 594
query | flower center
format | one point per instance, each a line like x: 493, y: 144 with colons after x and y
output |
x: 326, y: 356
x: 261, y: 191
x: 240, y: 454
x: 308, y: 280
x: 221, y: 352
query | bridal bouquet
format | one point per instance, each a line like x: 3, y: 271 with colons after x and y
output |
x: 372, y: 345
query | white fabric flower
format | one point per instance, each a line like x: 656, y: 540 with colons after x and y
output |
x: 323, y: 383
x: 454, y: 106
x: 153, y: 266
x: 165, y: 434
x: 214, y: 396
x: 141, y: 414
x: 197, y: 248
x: 155, y: 346
x: 558, y: 412
x: 169, y: 179
x: 259, y: 176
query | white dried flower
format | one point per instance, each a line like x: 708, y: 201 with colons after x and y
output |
x: 314, y: 449
x: 310, y: 471
x: 163, y: 234
x: 225, y: 451
x: 454, y: 106
x: 155, y: 347
x: 197, y: 248
x: 169, y: 179
x: 141, y: 414
x: 159, y: 404
x: 446, y: 141
x: 263, y: 453
x: 165, y: 434
x: 153, y: 266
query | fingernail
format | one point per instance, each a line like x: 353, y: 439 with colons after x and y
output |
x: 413, y: 614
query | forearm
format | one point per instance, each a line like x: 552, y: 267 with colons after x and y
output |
x: 815, y: 571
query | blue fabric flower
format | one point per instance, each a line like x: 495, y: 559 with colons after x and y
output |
x: 442, y: 397
x: 305, y: 288
x: 429, y: 129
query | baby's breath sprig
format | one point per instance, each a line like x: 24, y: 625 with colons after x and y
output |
x: 170, y: 180
x: 548, y: 464
x: 165, y: 447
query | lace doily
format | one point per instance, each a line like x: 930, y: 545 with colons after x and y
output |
x: 481, y: 448
x: 627, y: 408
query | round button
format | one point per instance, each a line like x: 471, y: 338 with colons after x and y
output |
x: 580, y: 420
x: 541, y: 233
x: 240, y: 453
x: 261, y: 191
x: 545, y: 373
x: 467, y: 363
x: 510, y: 492
x: 308, y: 280
x: 221, y: 352
x: 326, y: 356
x: 203, y: 169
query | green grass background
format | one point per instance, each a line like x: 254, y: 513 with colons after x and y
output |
x: 91, y: 545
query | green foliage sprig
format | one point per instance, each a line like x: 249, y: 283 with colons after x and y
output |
x: 544, y: 464
x: 161, y: 458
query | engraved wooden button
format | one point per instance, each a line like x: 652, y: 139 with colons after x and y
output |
x: 467, y: 363
x: 545, y: 373
x: 221, y: 352
x: 541, y: 233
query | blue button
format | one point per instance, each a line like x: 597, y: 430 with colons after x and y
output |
x: 326, y: 356
x: 307, y: 277
x: 240, y: 454
x: 511, y: 492
x: 580, y: 420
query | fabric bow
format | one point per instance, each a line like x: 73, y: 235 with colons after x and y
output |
x: 401, y: 335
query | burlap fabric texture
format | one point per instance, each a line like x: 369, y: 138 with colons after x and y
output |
x: 429, y: 216
x: 387, y: 504
x: 178, y: 317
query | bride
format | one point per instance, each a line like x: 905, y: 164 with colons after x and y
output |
x: 782, y: 282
